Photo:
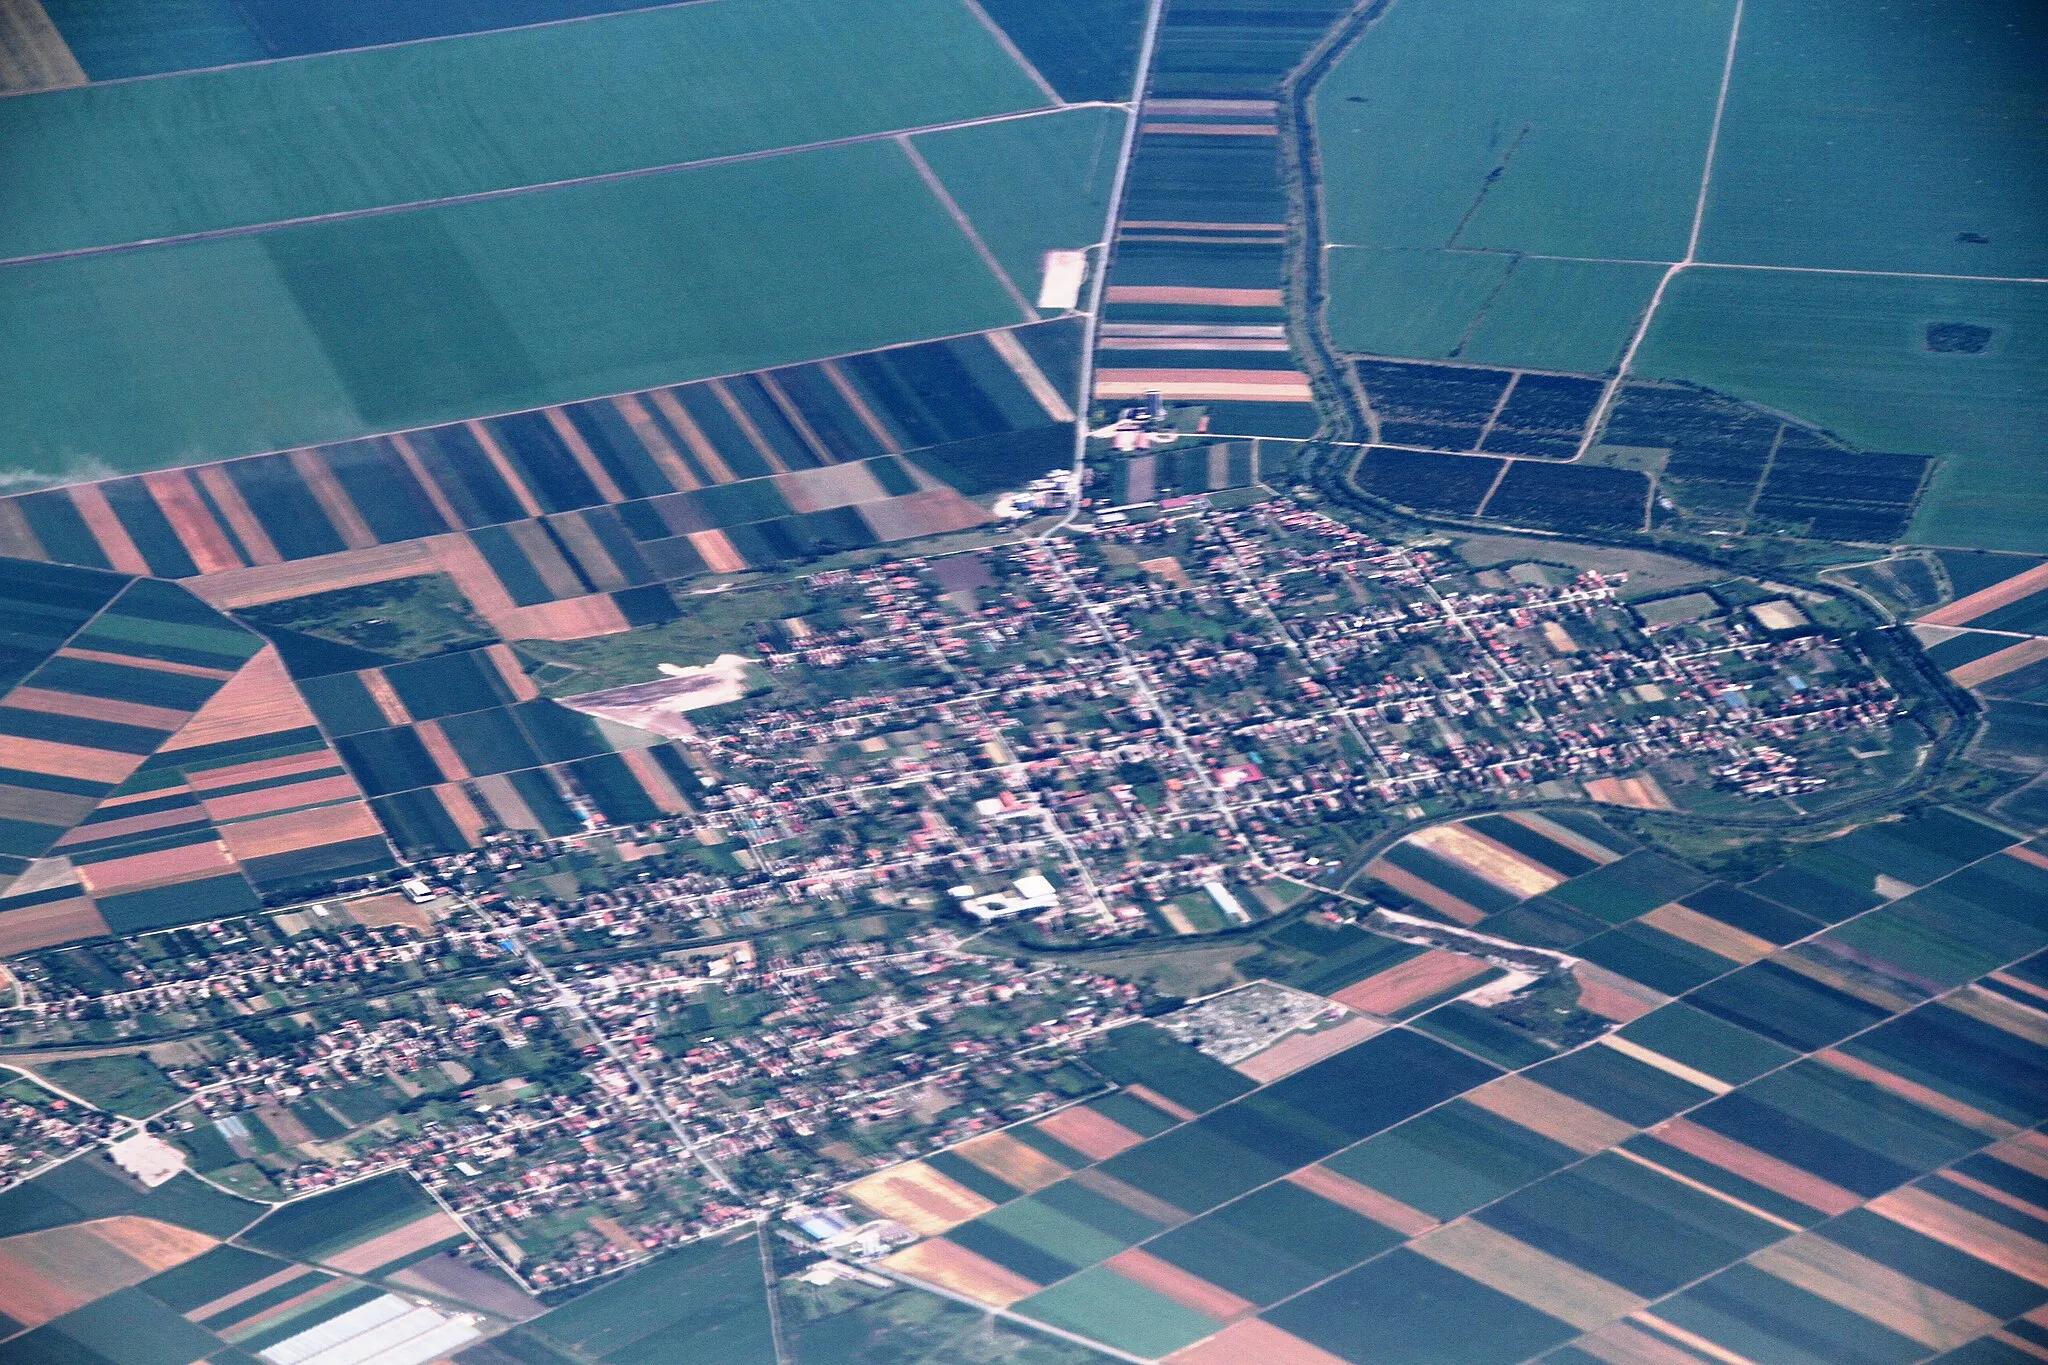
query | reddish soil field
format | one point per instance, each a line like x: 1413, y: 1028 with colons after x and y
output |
x: 1429, y: 893
x: 1560, y: 1118
x: 1189, y: 1291
x: 1768, y: 1171
x: 586, y: 459
x: 436, y: 494
x: 96, y: 708
x: 496, y: 454
x: 1612, y: 996
x: 288, y: 833
x: 1254, y: 1341
x: 685, y: 426
x: 860, y: 407
x: 1160, y: 1102
x: 1215, y: 298
x: 333, y: 499
x: 106, y: 528
x: 46, y: 925
x: 435, y: 741
x: 928, y: 513
x: 66, y: 760
x: 259, y: 700
x: 1925, y: 1096
x: 1987, y: 600
x: 156, y: 868
x: 918, y: 1197
x: 417, y: 1235
x: 1006, y: 1158
x: 237, y: 515
x: 1089, y: 1133
x: 1130, y: 1196
x: 263, y: 770
x: 952, y: 1267
x: 717, y: 552
x: 1416, y: 979
x: 234, y: 588
x: 1363, y: 1199
x: 576, y: 618
x: 654, y: 780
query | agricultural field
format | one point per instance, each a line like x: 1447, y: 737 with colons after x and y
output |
x: 1769, y: 1117
x: 1846, y: 259
x: 429, y: 284
x: 386, y: 571
x: 439, y: 120
x: 176, y: 772
x: 1194, y: 307
x: 673, y: 698
x: 100, y: 1269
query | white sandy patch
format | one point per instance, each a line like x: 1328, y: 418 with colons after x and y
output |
x: 1059, y: 287
x: 660, y: 706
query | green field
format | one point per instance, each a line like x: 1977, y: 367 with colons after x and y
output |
x: 1404, y: 1309
x: 1867, y: 138
x: 1104, y: 1306
x: 1593, y: 113
x: 270, y: 142
x: 1140, y: 1054
x: 1031, y: 185
x: 1486, y: 307
x: 1849, y: 352
x: 314, y: 1227
x: 126, y: 1085
x: 704, y: 1302
x: 1562, y: 315
x: 221, y: 347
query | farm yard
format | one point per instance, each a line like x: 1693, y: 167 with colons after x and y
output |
x: 1848, y: 258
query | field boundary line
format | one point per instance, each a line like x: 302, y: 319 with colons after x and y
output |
x: 1141, y: 78
x: 375, y: 47
x: 1699, y: 215
x: 540, y: 186
x: 966, y: 225
x: 1016, y: 53
x: 1512, y: 254
x: 1409, y: 1025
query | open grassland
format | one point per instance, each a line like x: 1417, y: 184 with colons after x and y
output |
x: 143, y: 160
x: 227, y: 346
x: 1907, y: 138
x: 1851, y: 353
x: 1576, y: 131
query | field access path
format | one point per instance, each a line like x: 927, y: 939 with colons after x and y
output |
x: 900, y: 135
x: 1692, y: 246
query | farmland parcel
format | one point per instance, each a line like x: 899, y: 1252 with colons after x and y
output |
x: 277, y: 142
x: 222, y: 347
x: 1863, y: 252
